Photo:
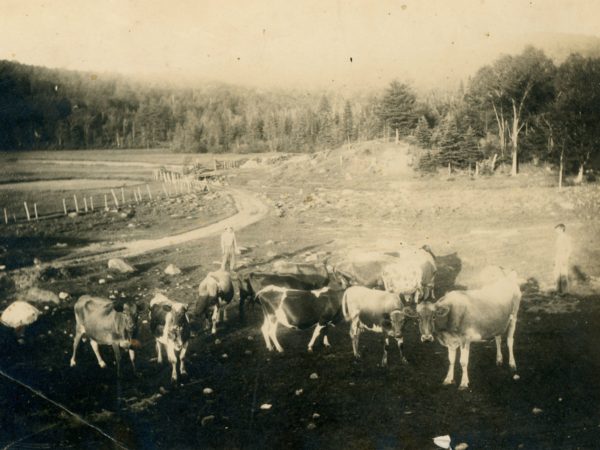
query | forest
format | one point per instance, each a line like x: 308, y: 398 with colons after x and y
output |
x: 519, y: 108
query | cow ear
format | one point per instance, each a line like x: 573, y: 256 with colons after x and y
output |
x: 409, y: 311
x: 441, y: 311
x: 166, y: 308
x: 185, y: 307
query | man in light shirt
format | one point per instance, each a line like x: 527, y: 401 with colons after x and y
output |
x: 229, y: 249
x: 561, y: 259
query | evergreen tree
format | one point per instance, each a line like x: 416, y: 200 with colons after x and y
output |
x: 423, y: 133
x: 396, y: 109
x: 348, y: 124
x: 449, y: 143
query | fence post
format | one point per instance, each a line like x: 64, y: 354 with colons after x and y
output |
x: 76, y: 205
x: 165, y: 189
x: 122, y: 195
x: 65, y: 206
x: 215, y: 163
x: 92, y: 202
x: 105, y: 202
x: 35, y: 211
x: 140, y: 194
x: 115, y: 198
x: 85, y: 204
x: 27, y: 211
x: 149, y: 193
x: 5, y: 216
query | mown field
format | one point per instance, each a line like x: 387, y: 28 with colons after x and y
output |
x: 321, y: 207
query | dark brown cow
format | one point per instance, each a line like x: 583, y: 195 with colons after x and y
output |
x: 98, y: 319
x: 374, y: 310
x: 215, y: 291
x: 462, y: 317
x: 170, y: 327
x: 252, y: 282
x: 298, y: 309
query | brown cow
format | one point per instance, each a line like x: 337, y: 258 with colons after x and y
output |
x: 103, y: 324
x: 462, y: 317
x: 215, y: 291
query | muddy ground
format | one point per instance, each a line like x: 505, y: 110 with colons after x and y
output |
x: 554, y: 404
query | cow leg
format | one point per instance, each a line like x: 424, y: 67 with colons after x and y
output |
x: 386, y: 343
x: 224, y: 308
x: 464, y: 364
x: 182, y: 359
x: 132, y: 359
x: 355, y: 336
x: 498, y: 350
x: 326, y: 339
x: 158, y: 352
x: 78, y: 333
x: 94, y: 345
x: 400, y: 343
x: 117, y: 351
x: 510, y: 341
x: 273, y: 335
x: 451, y: 358
x: 315, y: 335
x: 215, y: 319
x: 265, y: 331
x: 172, y: 357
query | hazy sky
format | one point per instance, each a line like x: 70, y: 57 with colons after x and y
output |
x: 282, y: 42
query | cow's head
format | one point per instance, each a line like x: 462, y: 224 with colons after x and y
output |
x: 175, y: 322
x: 393, y: 323
x: 129, y: 313
x: 426, y: 313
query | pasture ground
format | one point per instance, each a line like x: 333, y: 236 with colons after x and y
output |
x: 325, y: 211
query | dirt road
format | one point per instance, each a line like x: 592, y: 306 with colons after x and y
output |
x: 249, y: 210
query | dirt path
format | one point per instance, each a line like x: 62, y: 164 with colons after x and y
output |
x: 250, y: 210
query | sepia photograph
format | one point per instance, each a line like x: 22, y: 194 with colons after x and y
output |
x: 311, y: 224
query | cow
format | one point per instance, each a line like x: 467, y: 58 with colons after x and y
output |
x: 104, y: 323
x: 363, y: 268
x: 298, y: 309
x: 252, y: 282
x: 412, y: 274
x: 294, y: 268
x: 462, y: 317
x: 170, y: 327
x: 215, y: 291
x: 377, y: 311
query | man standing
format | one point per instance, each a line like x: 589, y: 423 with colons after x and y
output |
x: 561, y: 259
x: 229, y: 249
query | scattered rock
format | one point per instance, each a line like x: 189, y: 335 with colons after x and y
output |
x: 63, y: 295
x: 162, y: 390
x: 314, y: 376
x: 172, y: 269
x: 266, y: 406
x: 316, y: 415
x: 516, y: 377
x: 119, y: 265
x: 19, y: 314
x: 224, y: 356
x: 38, y: 296
x: 311, y: 426
x: 207, y: 391
x: 270, y: 242
x: 101, y: 281
x: 442, y: 441
x: 248, y: 352
x: 207, y: 420
x: 536, y: 410
x: 217, y: 341
x: 73, y: 214
x: 131, y: 225
x: 299, y: 391
x: 462, y: 446
x: 60, y: 244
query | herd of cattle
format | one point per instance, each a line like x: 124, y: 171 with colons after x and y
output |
x: 372, y: 291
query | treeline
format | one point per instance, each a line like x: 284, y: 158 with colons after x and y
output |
x: 519, y: 108
x: 44, y: 108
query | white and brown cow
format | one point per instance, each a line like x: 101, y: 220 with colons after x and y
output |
x: 104, y: 323
x: 298, y: 309
x: 170, y: 327
x: 215, y: 291
x: 413, y: 274
x: 374, y: 310
x: 462, y: 317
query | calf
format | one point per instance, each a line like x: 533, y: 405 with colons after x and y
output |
x: 374, y: 310
x: 462, y: 317
x: 298, y: 309
x: 104, y: 324
x: 170, y: 327
x: 215, y: 291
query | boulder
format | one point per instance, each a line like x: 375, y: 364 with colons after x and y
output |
x: 40, y: 296
x: 172, y: 269
x: 119, y: 265
x: 19, y: 314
